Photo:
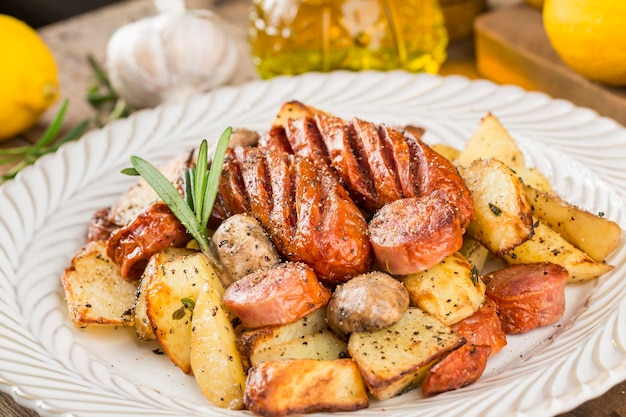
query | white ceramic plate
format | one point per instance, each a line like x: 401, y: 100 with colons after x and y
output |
x: 50, y: 366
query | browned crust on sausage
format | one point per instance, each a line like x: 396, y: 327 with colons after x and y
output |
x: 528, y: 295
x: 131, y: 246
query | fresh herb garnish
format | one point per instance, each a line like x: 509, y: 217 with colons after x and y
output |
x: 48, y: 143
x: 104, y: 98
x: 201, y: 189
x: 495, y: 209
x: 187, y: 305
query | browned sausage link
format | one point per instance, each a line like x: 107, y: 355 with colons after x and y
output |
x: 346, y: 159
x: 276, y: 140
x: 528, y: 295
x: 379, y: 167
x: 309, y: 216
x: 331, y: 231
x: 396, y: 145
x: 483, y: 327
x: 414, y: 234
x: 437, y: 174
x: 459, y: 368
x: 282, y: 217
x: 100, y: 225
x: 155, y: 229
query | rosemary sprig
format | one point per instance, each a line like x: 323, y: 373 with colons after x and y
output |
x: 48, y: 143
x: 202, y: 185
x: 103, y: 97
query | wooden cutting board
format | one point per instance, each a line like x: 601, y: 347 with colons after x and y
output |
x: 512, y: 48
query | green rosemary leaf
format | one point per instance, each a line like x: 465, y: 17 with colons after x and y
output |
x: 177, y: 204
x: 215, y: 173
x: 189, y: 187
x: 130, y: 172
x: 73, y: 134
x: 53, y: 129
x: 201, y: 178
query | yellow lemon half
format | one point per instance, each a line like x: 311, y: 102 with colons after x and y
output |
x: 29, y: 81
x: 590, y: 37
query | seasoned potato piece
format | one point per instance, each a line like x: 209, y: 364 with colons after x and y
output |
x: 143, y: 330
x: 215, y: 361
x: 242, y: 247
x: 389, y: 369
x: 532, y: 177
x: 313, y: 385
x: 322, y: 345
x: 267, y: 338
x: 294, y: 110
x: 449, y: 152
x: 491, y: 140
x: 503, y: 214
x: 595, y: 235
x: 171, y: 293
x: 450, y: 291
x: 548, y: 246
x: 95, y: 291
x: 474, y: 252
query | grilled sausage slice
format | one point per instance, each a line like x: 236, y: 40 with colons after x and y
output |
x: 528, y: 295
x: 155, y: 229
x: 367, y: 303
x: 278, y: 295
x: 459, y: 368
x: 413, y: 234
x: 483, y: 327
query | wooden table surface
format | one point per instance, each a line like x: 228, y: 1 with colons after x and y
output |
x: 71, y: 40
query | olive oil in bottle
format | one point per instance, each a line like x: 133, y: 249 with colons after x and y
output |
x: 296, y: 36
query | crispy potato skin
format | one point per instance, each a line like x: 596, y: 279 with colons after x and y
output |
x: 278, y: 295
x: 413, y: 234
x: 483, y: 327
x: 528, y: 295
x: 313, y: 385
x: 95, y: 291
x: 131, y: 246
x: 459, y: 368
x: 450, y: 290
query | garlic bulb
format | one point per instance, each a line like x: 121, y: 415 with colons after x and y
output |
x: 173, y: 55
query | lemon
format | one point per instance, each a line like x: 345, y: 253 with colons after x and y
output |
x: 590, y: 37
x: 28, y: 77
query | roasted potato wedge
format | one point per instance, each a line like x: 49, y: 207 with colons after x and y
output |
x: 474, y: 252
x: 547, y: 245
x: 294, y: 110
x: 491, y: 140
x: 389, y: 369
x: 594, y: 235
x: 503, y: 214
x: 171, y: 293
x: 95, y: 292
x: 279, y: 388
x: 449, y: 152
x: 451, y: 290
x: 322, y: 345
x: 143, y: 330
x: 268, y: 338
x: 215, y: 360
x: 532, y: 177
